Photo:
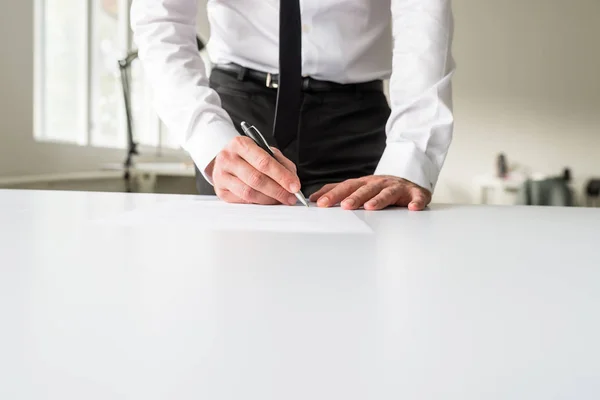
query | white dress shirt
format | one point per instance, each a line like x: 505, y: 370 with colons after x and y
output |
x: 345, y: 41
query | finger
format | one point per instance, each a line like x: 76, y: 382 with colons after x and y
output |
x: 266, y: 164
x: 419, y: 200
x: 245, y: 192
x: 387, y: 197
x: 260, y: 182
x: 361, y: 196
x: 228, y: 197
x: 284, y: 160
x: 339, y: 193
x: 315, y: 196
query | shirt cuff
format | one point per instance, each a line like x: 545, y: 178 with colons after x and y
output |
x: 406, y: 161
x: 204, y: 146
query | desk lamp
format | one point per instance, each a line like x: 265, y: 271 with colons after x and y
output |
x: 125, y: 69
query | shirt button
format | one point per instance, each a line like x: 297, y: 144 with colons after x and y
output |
x: 305, y: 28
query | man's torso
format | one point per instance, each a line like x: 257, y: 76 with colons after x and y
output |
x: 344, y: 41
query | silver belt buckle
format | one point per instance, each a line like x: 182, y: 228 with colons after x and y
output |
x: 270, y: 83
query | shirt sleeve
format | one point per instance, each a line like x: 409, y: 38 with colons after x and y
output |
x: 419, y: 130
x: 165, y: 34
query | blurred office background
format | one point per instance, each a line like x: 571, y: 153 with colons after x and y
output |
x: 527, y: 86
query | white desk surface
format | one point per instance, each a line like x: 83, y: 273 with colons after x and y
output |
x: 157, y: 168
x: 458, y: 302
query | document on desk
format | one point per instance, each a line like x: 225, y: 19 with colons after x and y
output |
x: 216, y: 215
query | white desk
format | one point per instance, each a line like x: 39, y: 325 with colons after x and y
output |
x: 157, y: 168
x: 146, y: 173
x: 498, y: 186
x: 458, y: 302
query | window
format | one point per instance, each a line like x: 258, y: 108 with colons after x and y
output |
x: 79, y: 96
x: 107, y: 46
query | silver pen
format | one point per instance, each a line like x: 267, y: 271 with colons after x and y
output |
x: 259, y: 139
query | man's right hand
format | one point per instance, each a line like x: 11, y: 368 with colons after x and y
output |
x: 244, y: 173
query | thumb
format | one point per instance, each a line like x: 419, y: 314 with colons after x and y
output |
x: 418, y: 201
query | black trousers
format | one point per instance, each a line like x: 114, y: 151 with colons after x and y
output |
x: 341, y: 134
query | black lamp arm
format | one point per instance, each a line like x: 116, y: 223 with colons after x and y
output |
x: 124, y: 68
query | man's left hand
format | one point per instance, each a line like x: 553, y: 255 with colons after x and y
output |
x: 374, y: 193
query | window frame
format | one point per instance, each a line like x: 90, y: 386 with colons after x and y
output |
x: 84, y: 134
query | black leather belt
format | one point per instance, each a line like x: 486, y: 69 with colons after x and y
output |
x: 308, y: 84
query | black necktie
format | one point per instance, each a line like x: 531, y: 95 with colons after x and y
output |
x: 289, y: 93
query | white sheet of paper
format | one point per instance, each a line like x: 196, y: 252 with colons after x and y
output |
x: 216, y: 215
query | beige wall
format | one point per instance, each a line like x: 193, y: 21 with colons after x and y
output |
x: 528, y: 84
x: 202, y: 21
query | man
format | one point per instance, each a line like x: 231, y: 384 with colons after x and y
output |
x: 349, y: 147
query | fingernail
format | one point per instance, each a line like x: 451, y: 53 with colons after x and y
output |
x: 414, y: 205
x: 372, y: 203
x: 349, y: 202
x: 292, y: 200
x: 294, y: 188
x: 323, y: 201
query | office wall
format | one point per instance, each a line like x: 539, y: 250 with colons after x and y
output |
x: 19, y: 153
x: 527, y: 84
